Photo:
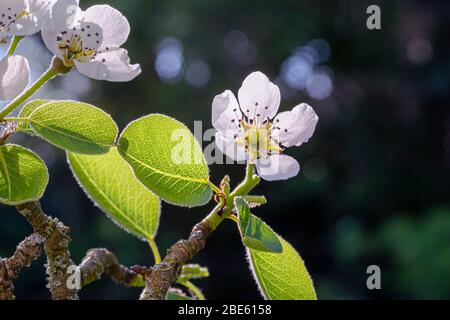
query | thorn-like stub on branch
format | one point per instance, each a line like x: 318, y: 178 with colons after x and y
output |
x: 101, y: 261
x: 141, y: 270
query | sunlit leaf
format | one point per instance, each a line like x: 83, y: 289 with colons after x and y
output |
x: 255, y: 233
x: 74, y: 126
x: 175, y: 294
x: 193, y: 271
x: 111, y: 184
x: 167, y: 159
x: 281, y: 276
x: 23, y: 175
x: 26, y: 111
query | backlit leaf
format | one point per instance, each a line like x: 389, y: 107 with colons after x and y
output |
x: 23, y: 175
x: 74, y: 126
x: 255, y: 233
x: 281, y: 276
x: 110, y: 183
x: 26, y: 111
x: 167, y: 159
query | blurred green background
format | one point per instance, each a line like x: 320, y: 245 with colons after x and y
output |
x: 375, y: 180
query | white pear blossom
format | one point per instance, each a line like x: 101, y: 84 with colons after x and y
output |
x: 252, y: 131
x: 14, y: 76
x: 90, y: 40
x: 23, y: 17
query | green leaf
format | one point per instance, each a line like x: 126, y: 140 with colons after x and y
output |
x: 255, y: 233
x: 75, y: 126
x: 137, y: 282
x: 23, y: 175
x: 193, y: 271
x: 167, y: 159
x: 176, y: 294
x: 26, y: 111
x: 110, y: 183
x: 254, y: 201
x: 281, y: 276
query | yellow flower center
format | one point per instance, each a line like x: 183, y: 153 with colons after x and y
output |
x: 258, y: 140
x: 72, y: 49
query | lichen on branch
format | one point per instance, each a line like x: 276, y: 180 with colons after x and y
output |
x: 27, y: 251
x: 54, y: 236
x: 159, y: 278
x: 100, y: 260
x: 56, y: 246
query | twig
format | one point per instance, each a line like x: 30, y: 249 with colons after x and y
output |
x: 99, y: 261
x: 56, y: 246
x: 159, y: 278
x: 27, y: 251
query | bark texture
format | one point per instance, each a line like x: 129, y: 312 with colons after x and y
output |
x: 56, y: 246
x: 159, y: 278
x: 27, y: 251
x: 54, y: 237
x: 99, y: 261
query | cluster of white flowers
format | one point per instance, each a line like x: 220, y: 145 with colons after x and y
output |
x: 91, y: 40
x: 87, y: 40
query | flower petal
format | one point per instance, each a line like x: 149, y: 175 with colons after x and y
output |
x: 277, y: 167
x: 114, y: 25
x: 11, y: 5
x: 8, y: 10
x: 113, y: 65
x: 14, y: 76
x: 258, y: 97
x: 230, y: 148
x: 65, y: 16
x: 39, y: 10
x: 226, y: 113
x: 296, y: 126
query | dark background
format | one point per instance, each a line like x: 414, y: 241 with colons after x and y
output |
x: 374, y: 187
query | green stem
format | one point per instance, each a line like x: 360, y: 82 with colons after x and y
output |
x: 14, y: 43
x: 155, y: 250
x: 214, y: 187
x: 216, y: 216
x: 224, y: 207
x: 194, y: 289
x: 233, y: 218
x: 49, y: 74
x: 251, y: 180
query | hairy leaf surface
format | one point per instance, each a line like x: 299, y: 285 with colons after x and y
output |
x: 281, y: 276
x: 110, y: 183
x: 74, y: 126
x: 255, y: 233
x: 23, y: 175
x: 167, y: 159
